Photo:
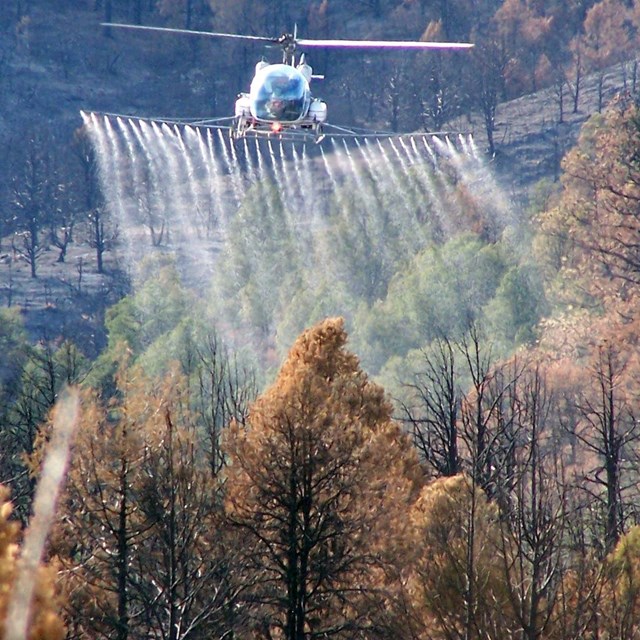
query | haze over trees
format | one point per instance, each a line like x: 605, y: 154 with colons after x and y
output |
x: 520, y: 47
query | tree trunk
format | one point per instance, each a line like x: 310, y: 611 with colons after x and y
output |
x: 123, y: 559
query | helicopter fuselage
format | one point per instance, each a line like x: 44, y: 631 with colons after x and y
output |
x: 279, y: 99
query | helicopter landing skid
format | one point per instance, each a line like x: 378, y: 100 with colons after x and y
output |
x: 292, y: 132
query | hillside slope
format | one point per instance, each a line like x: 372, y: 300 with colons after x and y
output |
x: 530, y: 140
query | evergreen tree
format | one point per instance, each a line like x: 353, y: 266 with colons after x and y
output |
x: 319, y: 483
x: 140, y: 540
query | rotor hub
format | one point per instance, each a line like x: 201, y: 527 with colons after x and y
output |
x: 288, y: 43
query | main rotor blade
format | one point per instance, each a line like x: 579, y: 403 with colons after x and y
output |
x: 211, y: 34
x: 384, y: 44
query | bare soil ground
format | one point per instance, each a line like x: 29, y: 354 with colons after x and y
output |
x: 67, y: 299
x: 530, y: 140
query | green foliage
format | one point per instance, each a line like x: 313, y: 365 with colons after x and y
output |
x: 317, y: 298
x: 176, y: 345
x: 14, y: 347
x: 441, y: 292
x: 516, y: 307
x: 369, y: 236
x: 261, y: 261
x: 123, y: 325
x: 45, y: 370
x: 155, y: 308
x: 160, y: 302
x: 143, y: 319
x: 624, y: 564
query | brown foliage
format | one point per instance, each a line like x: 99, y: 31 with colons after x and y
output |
x: 457, y: 587
x: 622, y: 586
x: 524, y: 35
x: 319, y: 484
x: 140, y: 537
x: 597, y: 220
x: 46, y: 623
x: 607, y: 37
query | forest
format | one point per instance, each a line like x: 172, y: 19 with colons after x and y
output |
x: 418, y: 420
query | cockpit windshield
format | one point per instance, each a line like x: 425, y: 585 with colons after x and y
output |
x: 279, y: 93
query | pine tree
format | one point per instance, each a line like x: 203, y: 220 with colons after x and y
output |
x: 319, y: 485
x: 141, y: 541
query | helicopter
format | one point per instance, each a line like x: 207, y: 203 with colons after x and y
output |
x: 279, y: 101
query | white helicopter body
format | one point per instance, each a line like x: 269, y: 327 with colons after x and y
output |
x: 279, y: 101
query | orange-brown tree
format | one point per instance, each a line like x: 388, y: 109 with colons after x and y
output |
x: 524, y: 35
x: 602, y: 599
x: 621, y: 593
x: 457, y: 587
x: 607, y: 39
x: 46, y: 622
x: 98, y: 519
x: 183, y: 565
x: 320, y: 481
x: 596, y: 223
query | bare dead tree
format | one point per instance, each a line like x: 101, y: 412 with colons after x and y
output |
x: 33, y: 196
x: 434, y: 418
x: 489, y: 430
x: 533, y: 524
x: 184, y: 584
x: 225, y: 390
x: 440, y: 91
x: 608, y: 431
x: 91, y: 202
x: 485, y: 83
x: 64, y: 214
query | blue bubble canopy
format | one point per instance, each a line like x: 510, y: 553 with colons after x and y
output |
x: 279, y: 93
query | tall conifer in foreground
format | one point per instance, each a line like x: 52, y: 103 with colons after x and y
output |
x: 319, y: 485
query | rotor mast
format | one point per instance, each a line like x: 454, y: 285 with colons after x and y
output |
x: 289, y: 44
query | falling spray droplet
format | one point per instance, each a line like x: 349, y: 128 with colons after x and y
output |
x: 398, y: 190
